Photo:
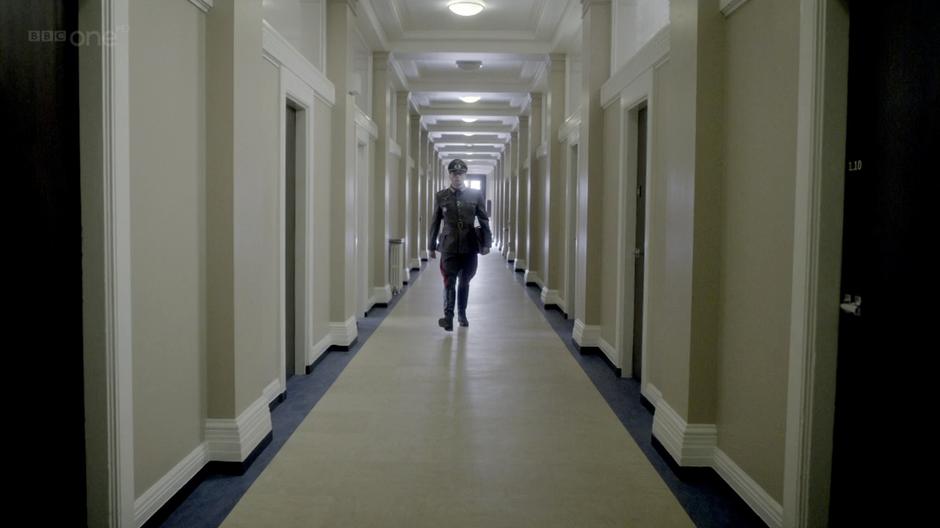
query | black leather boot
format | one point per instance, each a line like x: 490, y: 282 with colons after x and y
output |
x: 447, y: 322
x: 463, y: 295
x: 462, y: 318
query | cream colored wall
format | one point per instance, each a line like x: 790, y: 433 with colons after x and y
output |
x: 322, y: 147
x: 256, y: 230
x: 757, y: 237
x: 267, y: 280
x: 670, y: 203
x: 611, y: 263
x: 167, y: 142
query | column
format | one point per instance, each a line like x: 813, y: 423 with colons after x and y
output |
x: 537, y: 199
x: 553, y: 226
x: 382, y: 222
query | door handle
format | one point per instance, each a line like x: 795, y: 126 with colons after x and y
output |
x: 851, y: 305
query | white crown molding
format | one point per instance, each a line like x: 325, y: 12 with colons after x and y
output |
x: 373, y: 27
x: 203, y: 5
x: 366, y: 124
x: 229, y: 440
x: 273, y: 390
x: 549, y: 297
x: 586, y: 335
x: 164, y: 489
x: 393, y: 148
x: 651, y: 55
x: 609, y: 351
x: 730, y: 6
x: 748, y: 489
x: 343, y: 334
x: 278, y: 50
x: 382, y: 294
x: 570, y: 131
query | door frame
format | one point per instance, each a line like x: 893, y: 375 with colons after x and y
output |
x: 633, y: 97
x: 107, y: 327
x: 817, y: 255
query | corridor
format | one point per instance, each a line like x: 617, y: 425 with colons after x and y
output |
x: 491, y: 425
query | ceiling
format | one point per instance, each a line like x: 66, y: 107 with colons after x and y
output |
x: 512, y: 39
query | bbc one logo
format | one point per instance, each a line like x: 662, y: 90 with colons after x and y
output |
x: 75, y: 38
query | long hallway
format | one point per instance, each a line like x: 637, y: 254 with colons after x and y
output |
x: 492, y: 425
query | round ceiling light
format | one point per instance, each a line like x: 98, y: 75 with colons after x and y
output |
x: 469, y: 119
x: 468, y: 134
x: 470, y: 98
x: 466, y: 8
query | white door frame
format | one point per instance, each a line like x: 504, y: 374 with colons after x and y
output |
x: 106, y: 264
x: 817, y: 247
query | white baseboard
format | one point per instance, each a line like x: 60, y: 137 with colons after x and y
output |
x: 230, y: 440
x: 425, y: 254
x: 651, y: 393
x: 382, y: 294
x: 519, y: 265
x: 549, y: 297
x: 511, y: 255
x: 755, y: 496
x: 533, y: 277
x: 415, y: 264
x: 690, y: 445
x: 343, y: 334
x: 272, y: 391
x: 319, y: 349
x: 563, y: 305
x: 586, y: 335
x: 611, y: 354
x: 163, y: 490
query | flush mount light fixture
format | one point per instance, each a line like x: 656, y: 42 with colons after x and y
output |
x: 469, y: 65
x: 469, y: 119
x: 470, y: 98
x: 466, y: 8
x: 468, y: 134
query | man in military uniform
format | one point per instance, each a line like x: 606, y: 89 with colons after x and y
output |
x: 456, y: 207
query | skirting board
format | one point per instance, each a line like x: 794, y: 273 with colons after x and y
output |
x: 586, y: 335
x: 755, y: 496
x: 272, y: 391
x: 520, y: 265
x: 382, y: 294
x: 344, y: 334
x: 612, y: 356
x: 532, y: 277
x: 549, y: 297
x: 689, y: 445
x: 511, y: 255
x: 415, y: 264
x: 164, y: 489
x: 319, y: 349
x: 230, y: 440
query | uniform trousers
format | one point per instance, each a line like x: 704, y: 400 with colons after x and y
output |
x: 457, y: 269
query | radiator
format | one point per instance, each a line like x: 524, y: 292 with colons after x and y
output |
x: 396, y: 264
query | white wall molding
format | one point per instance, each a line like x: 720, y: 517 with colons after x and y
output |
x: 549, y: 297
x: 570, y: 131
x: 163, y: 490
x: 649, y: 56
x: 586, y: 335
x: 511, y: 254
x: 748, y: 489
x: 393, y: 148
x: 729, y: 6
x: 651, y: 393
x: 415, y: 264
x: 107, y: 318
x: 278, y: 50
x: 344, y: 333
x: 365, y: 124
x: 273, y: 390
x: 690, y: 445
x: 203, y: 5
x: 611, y: 352
x: 230, y: 440
x: 382, y: 294
x: 319, y: 349
x: 519, y: 264
x: 541, y: 151
x: 818, y: 213
x: 533, y: 277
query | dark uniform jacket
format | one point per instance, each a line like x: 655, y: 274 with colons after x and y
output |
x: 456, y: 211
